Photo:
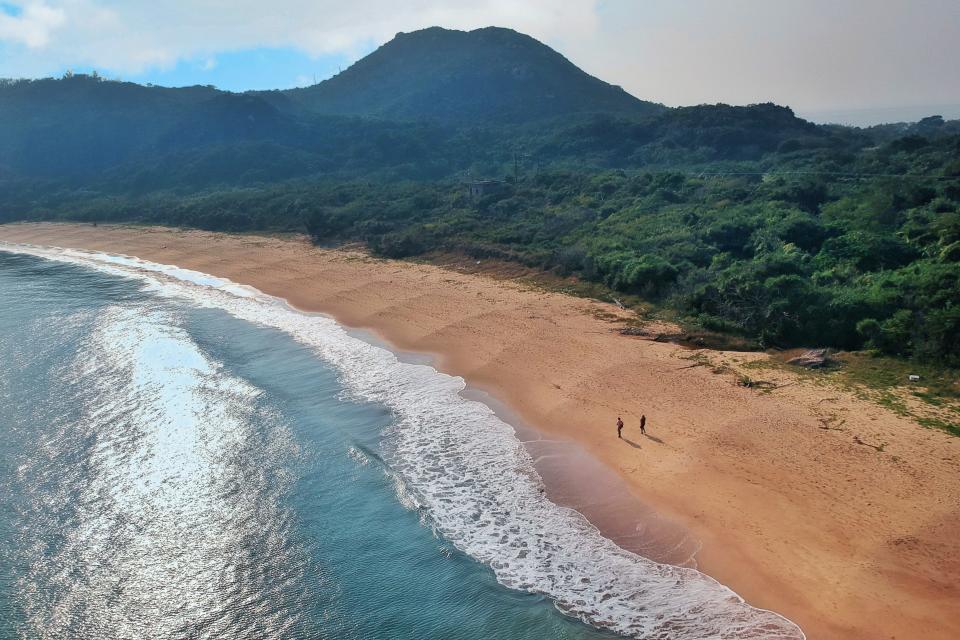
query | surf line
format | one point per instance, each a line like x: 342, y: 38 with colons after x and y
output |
x: 474, y: 478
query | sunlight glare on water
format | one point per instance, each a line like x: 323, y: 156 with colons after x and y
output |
x: 159, y: 543
x: 174, y: 472
x: 207, y: 462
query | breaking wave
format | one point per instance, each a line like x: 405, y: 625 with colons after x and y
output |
x: 467, y: 471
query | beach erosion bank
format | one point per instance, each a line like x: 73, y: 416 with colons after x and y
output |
x: 847, y: 541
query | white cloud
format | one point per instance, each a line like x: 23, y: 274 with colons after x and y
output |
x: 132, y: 36
x: 33, y: 26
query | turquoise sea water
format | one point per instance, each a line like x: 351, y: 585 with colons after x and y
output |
x: 182, y: 457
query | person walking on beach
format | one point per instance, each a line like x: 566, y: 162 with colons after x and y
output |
x: 643, y: 425
x: 619, y: 426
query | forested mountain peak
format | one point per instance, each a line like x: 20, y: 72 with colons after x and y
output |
x: 490, y: 75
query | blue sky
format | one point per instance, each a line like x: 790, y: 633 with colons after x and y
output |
x: 259, y: 68
x: 878, y: 57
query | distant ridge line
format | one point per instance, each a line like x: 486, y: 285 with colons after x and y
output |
x: 841, y: 174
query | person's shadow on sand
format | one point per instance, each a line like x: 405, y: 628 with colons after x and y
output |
x: 632, y: 443
x: 654, y: 438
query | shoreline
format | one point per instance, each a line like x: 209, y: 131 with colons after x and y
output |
x: 572, y: 476
x: 572, y: 480
x: 845, y: 541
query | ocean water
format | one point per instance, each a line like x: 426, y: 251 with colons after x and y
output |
x: 185, y: 457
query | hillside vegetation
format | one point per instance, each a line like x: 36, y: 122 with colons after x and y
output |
x: 487, y: 76
x: 741, y: 219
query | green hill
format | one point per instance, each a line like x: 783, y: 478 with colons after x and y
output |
x: 481, y: 77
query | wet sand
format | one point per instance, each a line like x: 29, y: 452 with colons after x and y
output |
x: 846, y: 540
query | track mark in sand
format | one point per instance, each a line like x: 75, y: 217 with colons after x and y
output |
x: 830, y: 423
x: 878, y: 447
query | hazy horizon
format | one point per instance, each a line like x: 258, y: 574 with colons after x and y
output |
x: 863, y: 117
x: 866, y: 117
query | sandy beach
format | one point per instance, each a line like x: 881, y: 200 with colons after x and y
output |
x: 849, y: 541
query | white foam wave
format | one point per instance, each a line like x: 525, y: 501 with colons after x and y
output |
x: 478, y: 483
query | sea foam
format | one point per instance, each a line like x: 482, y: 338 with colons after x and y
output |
x: 475, y: 481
